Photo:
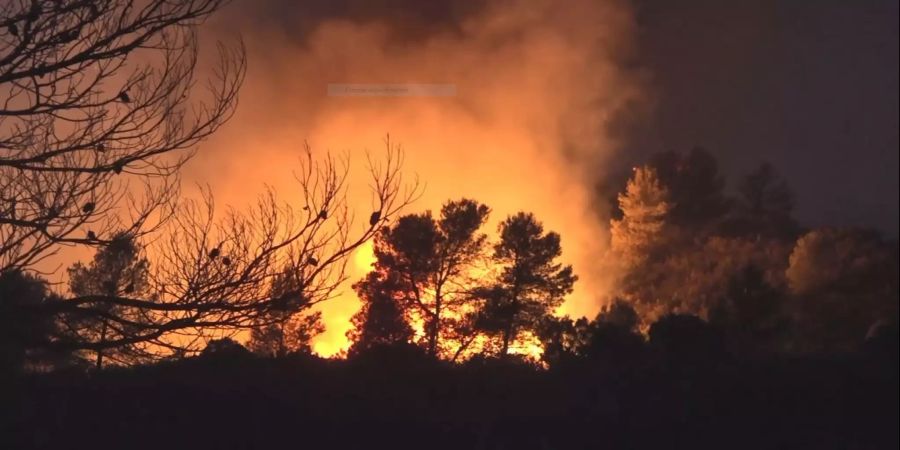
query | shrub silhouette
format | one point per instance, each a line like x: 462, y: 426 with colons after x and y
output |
x: 683, y: 338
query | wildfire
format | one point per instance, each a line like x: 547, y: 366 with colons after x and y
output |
x: 525, y: 130
x: 333, y: 344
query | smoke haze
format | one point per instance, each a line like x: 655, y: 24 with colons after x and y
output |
x: 537, y: 87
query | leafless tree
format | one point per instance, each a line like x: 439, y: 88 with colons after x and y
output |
x: 214, y: 275
x: 95, y: 94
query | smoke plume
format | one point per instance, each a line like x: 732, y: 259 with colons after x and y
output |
x: 538, y: 83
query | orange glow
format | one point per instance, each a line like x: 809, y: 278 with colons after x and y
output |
x: 529, y: 346
x: 328, y: 348
x: 527, y: 129
x: 364, y: 257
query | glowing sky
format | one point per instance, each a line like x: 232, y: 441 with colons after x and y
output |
x: 526, y: 130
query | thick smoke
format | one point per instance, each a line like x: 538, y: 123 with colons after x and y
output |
x: 538, y: 83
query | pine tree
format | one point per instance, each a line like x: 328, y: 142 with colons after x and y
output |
x: 764, y: 206
x: 381, y: 319
x: 288, y: 326
x: 645, y: 206
x: 695, y: 188
x: 117, y: 270
x: 639, y: 238
x: 427, y: 266
x: 24, y: 325
x: 531, y: 283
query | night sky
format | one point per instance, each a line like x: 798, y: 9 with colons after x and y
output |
x: 810, y: 86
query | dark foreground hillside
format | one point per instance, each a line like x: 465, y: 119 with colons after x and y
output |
x: 397, y: 399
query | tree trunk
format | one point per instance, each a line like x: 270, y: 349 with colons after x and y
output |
x: 100, y: 350
x: 433, y: 333
x: 281, y: 350
x: 510, y: 328
x: 507, y: 335
x: 463, y: 347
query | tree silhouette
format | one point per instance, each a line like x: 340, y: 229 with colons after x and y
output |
x: 531, y: 283
x: 613, y: 338
x: 429, y: 265
x: 752, y: 312
x: 23, y: 325
x: 97, y: 94
x: 843, y: 281
x: 621, y: 314
x: 563, y: 339
x: 288, y: 325
x: 381, y: 319
x: 118, y: 269
x: 696, y: 189
x: 764, y: 206
x: 224, y: 348
x: 686, y: 339
x: 212, y: 274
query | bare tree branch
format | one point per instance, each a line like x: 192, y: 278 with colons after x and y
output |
x: 210, y: 273
x: 95, y: 94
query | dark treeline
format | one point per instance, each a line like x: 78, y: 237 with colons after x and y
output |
x: 685, y: 250
x: 739, y: 260
x: 789, y: 341
x: 675, y: 390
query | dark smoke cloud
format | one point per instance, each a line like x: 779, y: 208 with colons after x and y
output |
x: 406, y: 20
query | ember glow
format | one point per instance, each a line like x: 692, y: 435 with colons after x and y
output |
x: 526, y: 130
